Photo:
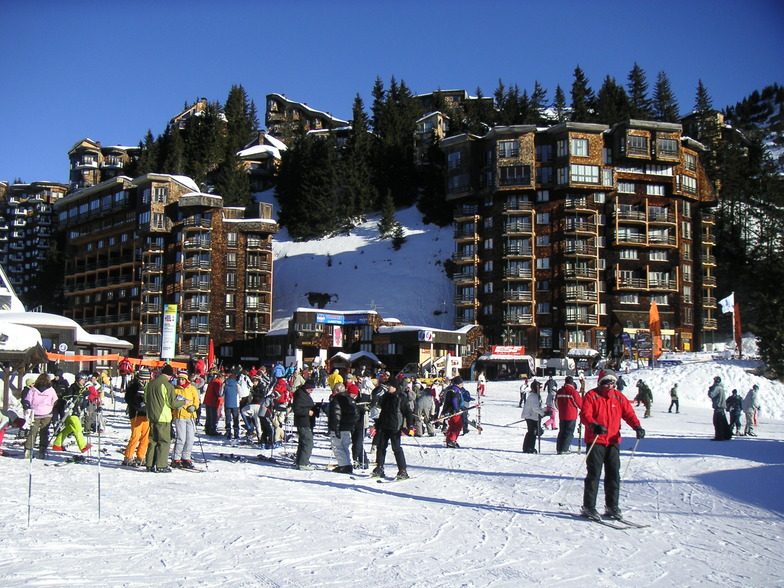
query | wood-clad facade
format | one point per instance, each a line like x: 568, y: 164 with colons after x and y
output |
x: 565, y: 235
x: 137, y: 245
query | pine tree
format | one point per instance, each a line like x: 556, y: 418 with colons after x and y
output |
x: 538, y: 104
x: 232, y: 181
x: 583, y: 100
x: 640, y: 106
x: 708, y: 131
x: 356, y: 168
x: 612, y: 103
x: 242, y: 124
x: 388, y: 223
x: 559, y: 105
x: 665, y: 106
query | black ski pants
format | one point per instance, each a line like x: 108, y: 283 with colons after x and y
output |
x: 565, y: 435
x: 383, y: 438
x: 609, y: 458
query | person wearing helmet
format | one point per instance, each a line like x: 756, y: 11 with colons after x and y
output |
x: 602, y: 411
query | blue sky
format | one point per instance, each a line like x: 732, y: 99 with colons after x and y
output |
x: 111, y: 71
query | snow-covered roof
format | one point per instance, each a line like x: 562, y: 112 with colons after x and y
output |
x: 405, y: 328
x: 17, y: 338
x: 257, y: 150
x: 45, y: 319
x: 355, y: 356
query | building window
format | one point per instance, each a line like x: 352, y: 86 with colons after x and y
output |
x: 654, y: 190
x: 231, y: 259
x: 158, y: 221
x: 544, y: 153
x: 543, y: 195
x: 488, y: 266
x: 687, y: 294
x: 658, y: 255
x: 658, y: 170
x: 230, y: 321
x: 686, y: 209
x: 585, y: 174
x: 543, y: 308
x: 231, y: 239
x: 488, y: 244
x: 630, y: 299
x: 660, y: 299
x: 453, y: 160
x: 686, y: 230
x: 144, y: 218
x: 231, y: 280
x: 543, y: 285
x: 146, y: 196
x: 599, y: 198
x: 628, y: 254
x: 686, y: 251
x: 690, y: 162
x: 561, y: 148
x: 636, y: 145
x: 667, y: 148
x: 487, y: 222
x: 580, y: 147
x: 544, y: 175
x: 687, y: 273
x: 546, y: 338
x: 689, y: 184
x: 508, y: 149
x: 542, y: 240
x: 488, y: 288
x: 231, y: 301
x: 606, y: 156
x: 543, y: 263
x: 514, y: 175
x: 542, y: 218
x: 626, y: 187
x: 487, y: 309
x: 160, y: 195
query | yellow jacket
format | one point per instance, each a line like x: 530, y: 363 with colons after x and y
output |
x: 334, y: 378
x: 191, y: 399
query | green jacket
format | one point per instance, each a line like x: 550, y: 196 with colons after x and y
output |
x: 160, y: 397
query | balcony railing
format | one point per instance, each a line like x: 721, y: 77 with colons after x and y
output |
x: 581, y: 273
x: 518, y: 319
x: 518, y: 273
x: 518, y: 228
x: 517, y: 296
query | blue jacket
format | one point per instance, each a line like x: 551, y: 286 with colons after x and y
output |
x: 231, y: 393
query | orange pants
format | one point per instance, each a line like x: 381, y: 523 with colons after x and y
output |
x: 140, y: 437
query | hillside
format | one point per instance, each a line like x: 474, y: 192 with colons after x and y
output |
x: 761, y: 115
x: 359, y: 271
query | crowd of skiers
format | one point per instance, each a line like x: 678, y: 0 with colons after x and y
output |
x: 736, y: 407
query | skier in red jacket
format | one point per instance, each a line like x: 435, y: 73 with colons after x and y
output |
x: 602, y: 411
x: 568, y: 403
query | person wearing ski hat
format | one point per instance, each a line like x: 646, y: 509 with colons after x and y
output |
x: 303, y: 408
x: 569, y: 403
x: 140, y: 426
x: 395, y: 414
x: 184, y: 421
x: 602, y: 411
x: 160, y: 398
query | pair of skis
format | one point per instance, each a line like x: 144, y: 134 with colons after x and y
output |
x: 619, y: 524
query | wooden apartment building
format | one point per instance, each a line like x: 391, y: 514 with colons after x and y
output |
x: 137, y: 245
x: 565, y: 235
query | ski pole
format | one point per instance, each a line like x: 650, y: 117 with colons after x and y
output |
x: 577, y: 473
x: 99, y: 475
x: 201, y: 445
x: 626, y: 469
x: 30, y: 488
x: 515, y: 422
x: 539, y: 434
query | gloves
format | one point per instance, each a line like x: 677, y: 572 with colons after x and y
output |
x: 598, y: 429
x: 26, y: 404
x: 640, y: 432
x: 191, y: 408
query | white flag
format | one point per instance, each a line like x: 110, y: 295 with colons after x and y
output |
x: 727, y: 304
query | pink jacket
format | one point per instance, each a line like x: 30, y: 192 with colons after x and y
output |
x: 41, y: 402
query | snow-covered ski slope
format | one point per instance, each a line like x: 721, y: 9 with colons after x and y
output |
x: 482, y: 515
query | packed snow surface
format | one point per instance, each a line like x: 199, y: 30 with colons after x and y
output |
x: 482, y: 515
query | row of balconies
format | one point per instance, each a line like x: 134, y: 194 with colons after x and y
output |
x: 646, y: 283
x: 108, y: 319
x: 626, y: 238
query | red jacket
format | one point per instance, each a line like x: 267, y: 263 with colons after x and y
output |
x: 212, y: 395
x: 568, y: 403
x: 606, y: 408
